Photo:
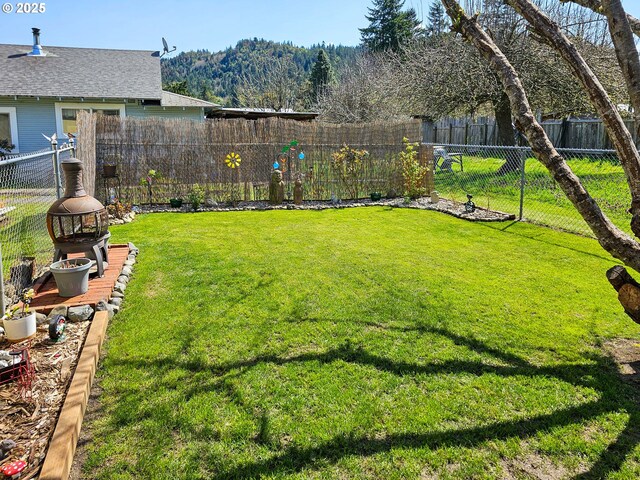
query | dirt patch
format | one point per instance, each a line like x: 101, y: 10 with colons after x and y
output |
x: 626, y: 353
x: 534, y: 466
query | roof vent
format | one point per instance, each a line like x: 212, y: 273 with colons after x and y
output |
x: 37, y: 48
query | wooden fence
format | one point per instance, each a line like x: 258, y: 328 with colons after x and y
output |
x: 571, y: 133
x: 185, y: 153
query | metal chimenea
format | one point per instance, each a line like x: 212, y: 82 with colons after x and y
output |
x: 77, y: 222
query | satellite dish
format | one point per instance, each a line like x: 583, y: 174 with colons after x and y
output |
x: 165, y: 48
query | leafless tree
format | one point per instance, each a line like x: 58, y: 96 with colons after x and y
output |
x: 365, y: 91
x: 273, y: 83
x: 612, y: 239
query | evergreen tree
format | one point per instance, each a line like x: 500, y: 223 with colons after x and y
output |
x: 321, y: 74
x: 389, y: 26
x: 437, y: 20
x: 180, y: 88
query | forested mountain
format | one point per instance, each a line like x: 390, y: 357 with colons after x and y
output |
x: 215, y: 76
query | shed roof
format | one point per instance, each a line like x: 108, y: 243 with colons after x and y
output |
x: 255, y: 113
x: 80, y: 72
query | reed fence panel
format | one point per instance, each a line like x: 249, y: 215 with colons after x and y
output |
x: 185, y: 153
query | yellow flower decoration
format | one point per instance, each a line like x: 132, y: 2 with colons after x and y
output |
x: 233, y: 160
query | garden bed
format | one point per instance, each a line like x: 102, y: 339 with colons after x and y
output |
x: 444, y: 205
x: 30, y: 422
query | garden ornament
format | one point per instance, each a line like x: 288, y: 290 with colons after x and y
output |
x: 232, y: 160
x: 469, y: 206
x: 297, y: 192
x: 12, y: 470
x: 276, y: 188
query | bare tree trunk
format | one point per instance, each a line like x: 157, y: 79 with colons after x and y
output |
x: 506, y: 135
x: 612, y: 239
x: 626, y: 52
x: 617, y: 130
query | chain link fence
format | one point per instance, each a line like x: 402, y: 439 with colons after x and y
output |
x: 27, y: 189
x: 511, y: 180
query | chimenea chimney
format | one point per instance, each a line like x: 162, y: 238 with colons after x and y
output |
x: 37, y: 48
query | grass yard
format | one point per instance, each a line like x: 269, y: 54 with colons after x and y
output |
x: 362, y: 343
x: 544, y: 201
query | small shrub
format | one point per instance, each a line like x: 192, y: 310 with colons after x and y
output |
x: 413, y: 173
x: 196, y: 196
x: 348, y: 163
x: 119, y: 209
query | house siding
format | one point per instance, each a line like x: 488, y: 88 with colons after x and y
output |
x: 35, y: 117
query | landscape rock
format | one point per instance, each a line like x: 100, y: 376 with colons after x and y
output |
x: 126, y: 270
x: 133, y: 249
x: 119, y: 287
x: 130, y: 263
x: 116, y: 301
x: 123, y: 279
x: 103, y: 306
x: 117, y: 295
x: 59, y: 310
x: 79, y: 314
x: 41, y: 319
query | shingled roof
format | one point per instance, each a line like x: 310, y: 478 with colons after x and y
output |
x: 80, y: 72
x: 170, y: 99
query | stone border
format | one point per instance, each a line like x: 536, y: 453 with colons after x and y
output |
x: 444, y: 205
x: 62, y: 446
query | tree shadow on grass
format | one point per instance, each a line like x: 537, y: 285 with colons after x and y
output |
x: 598, y: 374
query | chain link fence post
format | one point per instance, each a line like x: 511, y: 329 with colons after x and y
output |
x: 56, y: 166
x: 3, y: 307
x: 523, y: 164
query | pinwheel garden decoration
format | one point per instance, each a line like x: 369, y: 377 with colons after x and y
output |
x: 233, y: 160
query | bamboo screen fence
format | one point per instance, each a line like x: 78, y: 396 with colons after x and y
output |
x: 185, y: 153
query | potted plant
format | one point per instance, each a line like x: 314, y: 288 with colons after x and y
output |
x: 72, y: 276
x: 175, y: 202
x: 19, y: 322
x: 376, y: 196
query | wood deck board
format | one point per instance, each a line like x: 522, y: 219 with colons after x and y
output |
x: 99, y: 288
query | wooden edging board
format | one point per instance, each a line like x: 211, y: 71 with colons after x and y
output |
x: 62, y: 447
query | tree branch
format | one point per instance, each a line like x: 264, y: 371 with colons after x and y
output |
x: 615, y: 126
x: 596, y: 6
x: 612, y: 239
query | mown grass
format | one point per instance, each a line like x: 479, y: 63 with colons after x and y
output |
x: 362, y: 343
x: 544, y: 201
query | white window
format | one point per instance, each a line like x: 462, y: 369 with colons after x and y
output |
x: 9, y: 127
x: 66, y: 114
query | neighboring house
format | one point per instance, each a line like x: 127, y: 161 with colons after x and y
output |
x: 42, y: 89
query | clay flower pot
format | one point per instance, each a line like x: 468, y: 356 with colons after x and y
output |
x: 20, y: 326
x: 72, y: 276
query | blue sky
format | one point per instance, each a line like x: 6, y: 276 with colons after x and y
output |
x: 194, y: 24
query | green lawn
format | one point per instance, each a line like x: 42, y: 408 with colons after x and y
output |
x: 544, y: 201
x: 362, y: 343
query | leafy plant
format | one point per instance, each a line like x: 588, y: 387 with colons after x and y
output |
x: 196, y: 196
x: 348, y: 163
x: 119, y: 209
x: 5, y: 147
x: 17, y: 311
x: 149, y: 181
x: 413, y: 173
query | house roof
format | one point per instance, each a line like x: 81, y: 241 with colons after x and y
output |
x: 170, y: 99
x: 255, y: 113
x: 80, y: 72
